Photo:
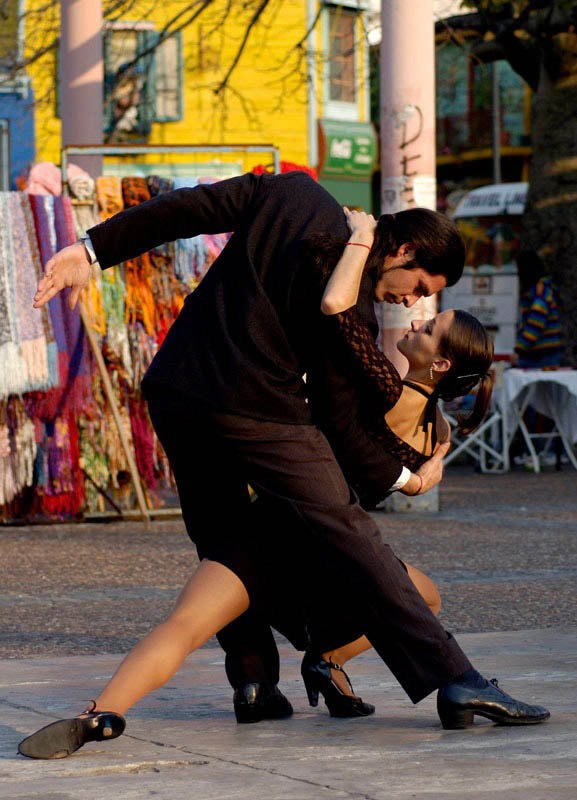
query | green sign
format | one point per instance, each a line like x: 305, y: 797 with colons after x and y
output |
x: 347, y: 148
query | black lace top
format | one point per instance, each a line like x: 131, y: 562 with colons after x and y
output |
x: 381, y: 385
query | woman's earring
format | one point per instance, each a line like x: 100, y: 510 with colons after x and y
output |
x: 431, y: 373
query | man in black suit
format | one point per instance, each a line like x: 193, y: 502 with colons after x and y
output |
x: 226, y: 392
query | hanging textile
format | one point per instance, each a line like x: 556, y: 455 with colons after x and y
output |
x: 190, y: 255
x: 140, y: 301
x: 17, y: 449
x: 78, y: 388
x: 60, y: 483
x: 29, y: 323
x: 37, y: 272
x: 44, y: 179
x: 109, y: 196
x: 159, y: 185
x: 54, y: 224
x: 194, y: 256
x: 24, y: 364
x: 60, y: 436
x: 60, y: 479
x: 43, y: 212
x: 83, y: 192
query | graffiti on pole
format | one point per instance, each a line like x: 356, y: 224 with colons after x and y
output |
x: 408, y: 188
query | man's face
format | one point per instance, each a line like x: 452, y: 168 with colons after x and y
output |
x: 397, y: 284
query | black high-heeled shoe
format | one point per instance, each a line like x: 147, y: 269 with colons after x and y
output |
x: 61, y: 739
x: 317, y: 677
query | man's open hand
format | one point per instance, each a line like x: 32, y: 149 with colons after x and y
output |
x: 68, y: 268
x: 431, y: 471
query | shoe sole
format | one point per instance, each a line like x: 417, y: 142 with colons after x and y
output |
x: 245, y: 715
x: 351, y: 714
x: 58, y: 740
x: 462, y: 719
x: 61, y: 739
x: 533, y: 721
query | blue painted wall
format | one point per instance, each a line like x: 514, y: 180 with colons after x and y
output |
x: 19, y: 111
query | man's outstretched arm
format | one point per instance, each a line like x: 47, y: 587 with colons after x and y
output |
x: 210, y: 208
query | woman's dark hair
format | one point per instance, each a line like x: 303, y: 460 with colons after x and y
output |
x: 469, y: 348
x: 439, y: 247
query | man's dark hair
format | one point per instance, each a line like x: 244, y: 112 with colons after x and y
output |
x: 440, y: 250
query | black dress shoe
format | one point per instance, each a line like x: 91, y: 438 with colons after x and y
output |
x: 254, y: 702
x: 459, y: 701
x: 61, y: 739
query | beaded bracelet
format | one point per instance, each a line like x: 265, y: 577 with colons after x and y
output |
x: 357, y: 244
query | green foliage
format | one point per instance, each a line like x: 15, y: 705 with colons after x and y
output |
x: 519, y: 9
x: 497, y: 6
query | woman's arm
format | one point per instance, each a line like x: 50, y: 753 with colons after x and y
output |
x: 342, y: 289
x: 374, y: 369
x: 377, y: 375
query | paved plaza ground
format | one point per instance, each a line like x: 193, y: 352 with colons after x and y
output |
x: 504, y: 552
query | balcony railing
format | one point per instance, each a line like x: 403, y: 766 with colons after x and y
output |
x: 473, y: 131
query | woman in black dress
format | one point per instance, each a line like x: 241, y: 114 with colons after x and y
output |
x: 449, y: 356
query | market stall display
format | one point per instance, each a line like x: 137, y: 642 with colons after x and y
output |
x: 58, y: 433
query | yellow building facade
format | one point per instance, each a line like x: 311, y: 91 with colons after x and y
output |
x: 294, y: 76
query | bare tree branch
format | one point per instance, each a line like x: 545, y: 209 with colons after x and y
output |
x: 240, y: 50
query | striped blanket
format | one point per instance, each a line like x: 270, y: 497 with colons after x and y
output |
x: 24, y: 331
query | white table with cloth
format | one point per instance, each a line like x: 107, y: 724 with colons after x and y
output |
x: 551, y: 392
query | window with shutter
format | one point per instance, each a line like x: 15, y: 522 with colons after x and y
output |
x: 129, y: 84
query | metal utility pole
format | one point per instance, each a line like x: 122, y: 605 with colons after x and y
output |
x: 81, y: 77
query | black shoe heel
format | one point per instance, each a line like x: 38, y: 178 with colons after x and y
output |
x: 312, y: 692
x: 317, y: 677
x: 472, y: 694
x: 456, y: 719
x: 254, y: 702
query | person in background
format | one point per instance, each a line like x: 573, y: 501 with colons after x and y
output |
x: 540, y: 342
x: 539, y: 334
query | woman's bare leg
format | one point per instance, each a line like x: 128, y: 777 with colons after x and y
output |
x: 213, y: 597
x: 340, y: 655
x: 426, y: 588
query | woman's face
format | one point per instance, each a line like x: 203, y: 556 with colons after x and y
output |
x: 420, y: 344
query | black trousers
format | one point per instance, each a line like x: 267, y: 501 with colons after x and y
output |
x: 214, y: 455
x: 323, y: 615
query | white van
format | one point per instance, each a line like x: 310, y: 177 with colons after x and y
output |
x: 489, y: 219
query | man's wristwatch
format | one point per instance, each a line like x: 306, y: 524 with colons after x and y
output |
x: 87, y: 242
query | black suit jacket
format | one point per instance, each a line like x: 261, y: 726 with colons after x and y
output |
x: 248, y: 333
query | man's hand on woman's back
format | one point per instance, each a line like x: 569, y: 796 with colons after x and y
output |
x: 429, y: 474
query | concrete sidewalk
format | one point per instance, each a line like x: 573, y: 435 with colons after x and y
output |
x: 183, y: 741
